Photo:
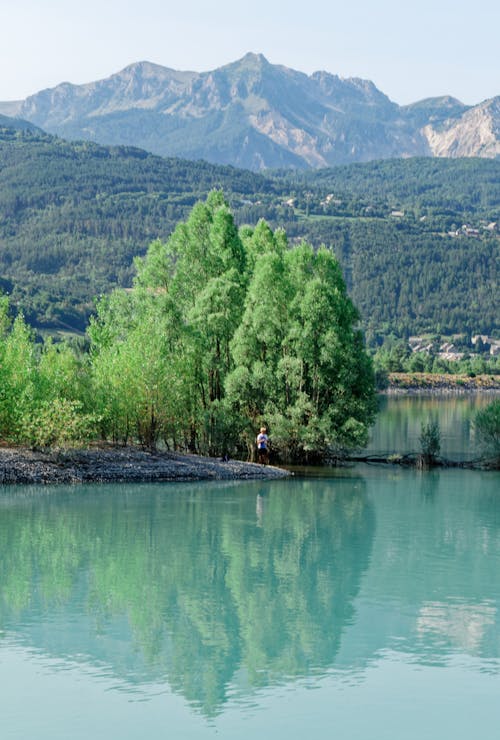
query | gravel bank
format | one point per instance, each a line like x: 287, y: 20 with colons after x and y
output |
x: 122, y: 464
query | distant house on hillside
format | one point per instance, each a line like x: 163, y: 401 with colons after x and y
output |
x: 331, y: 200
x: 469, y: 231
x: 451, y: 356
x: 488, y: 343
x: 447, y: 351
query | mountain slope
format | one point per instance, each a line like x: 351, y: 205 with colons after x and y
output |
x: 255, y: 114
x: 73, y: 216
x: 476, y: 133
x: 7, y: 122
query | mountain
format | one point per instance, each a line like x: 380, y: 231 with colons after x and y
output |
x: 258, y: 115
x: 475, y: 133
x: 74, y: 215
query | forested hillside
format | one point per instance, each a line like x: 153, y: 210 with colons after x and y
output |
x: 73, y: 216
x: 469, y: 188
x: 406, y: 279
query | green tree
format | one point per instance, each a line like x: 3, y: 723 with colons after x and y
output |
x: 164, y: 349
x: 134, y: 374
x: 300, y: 365
x: 17, y: 375
x: 430, y: 442
x: 222, y: 333
x: 44, y: 399
x: 487, y: 427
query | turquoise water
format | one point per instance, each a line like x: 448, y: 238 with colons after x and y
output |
x: 399, y: 423
x: 360, y: 605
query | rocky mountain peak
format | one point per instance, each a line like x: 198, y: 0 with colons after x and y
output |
x: 251, y: 59
x: 256, y: 114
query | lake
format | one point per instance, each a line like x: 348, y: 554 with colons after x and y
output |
x: 362, y: 604
x: 399, y: 422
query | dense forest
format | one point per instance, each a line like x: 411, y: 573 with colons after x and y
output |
x: 427, y: 186
x: 74, y: 215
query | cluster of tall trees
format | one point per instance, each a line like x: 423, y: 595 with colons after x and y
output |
x: 227, y: 329
x: 224, y: 330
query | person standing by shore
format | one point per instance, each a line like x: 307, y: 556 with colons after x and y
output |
x: 263, y: 446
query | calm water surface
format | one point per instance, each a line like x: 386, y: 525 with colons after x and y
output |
x: 399, y: 423
x: 361, y: 605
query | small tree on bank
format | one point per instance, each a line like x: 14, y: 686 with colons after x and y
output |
x: 44, y: 390
x: 430, y: 443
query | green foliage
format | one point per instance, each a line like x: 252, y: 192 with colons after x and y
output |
x: 223, y: 332
x: 17, y: 378
x: 430, y: 441
x: 74, y: 215
x: 487, y: 428
x: 161, y: 353
x: 43, y: 395
x: 133, y: 374
x: 57, y: 423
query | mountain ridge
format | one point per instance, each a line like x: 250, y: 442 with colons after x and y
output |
x: 254, y: 114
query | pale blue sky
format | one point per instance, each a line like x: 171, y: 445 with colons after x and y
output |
x: 433, y: 47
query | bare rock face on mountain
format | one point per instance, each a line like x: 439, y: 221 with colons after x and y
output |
x: 476, y: 133
x: 258, y: 115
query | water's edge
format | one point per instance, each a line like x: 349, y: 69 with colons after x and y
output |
x: 123, y: 464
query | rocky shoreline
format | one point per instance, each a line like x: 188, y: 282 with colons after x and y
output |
x: 122, y: 464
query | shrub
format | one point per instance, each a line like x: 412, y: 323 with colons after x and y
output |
x: 58, y: 423
x: 430, y: 441
x: 487, y: 428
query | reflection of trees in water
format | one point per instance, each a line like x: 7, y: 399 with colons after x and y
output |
x: 293, y: 579
x: 207, y: 592
x: 398, y: 425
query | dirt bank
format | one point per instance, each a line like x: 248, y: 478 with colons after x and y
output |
x: 118, y: 464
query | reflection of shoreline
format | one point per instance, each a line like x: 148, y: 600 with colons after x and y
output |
x: 398, y: 425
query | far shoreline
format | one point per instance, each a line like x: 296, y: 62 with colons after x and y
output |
x: 439, y: 384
